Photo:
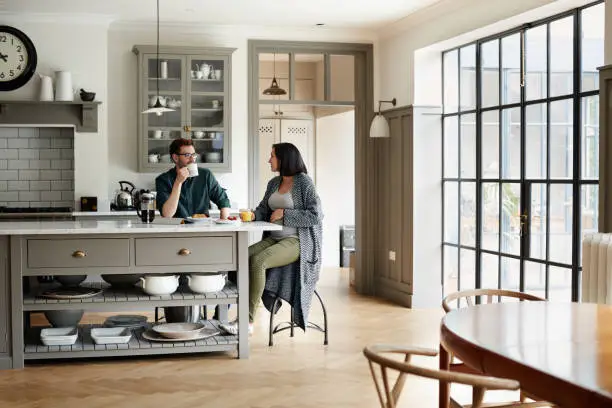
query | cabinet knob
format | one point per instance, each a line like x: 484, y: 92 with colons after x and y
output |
x: 79, y: 254
x: 184, y: 252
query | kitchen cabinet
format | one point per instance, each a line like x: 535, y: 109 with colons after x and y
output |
x: 300, y: 132
x: 196, y: 84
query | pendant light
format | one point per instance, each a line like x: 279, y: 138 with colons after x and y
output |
x: 380, y: 126
x: 274, y: 89
x: 157, y: 108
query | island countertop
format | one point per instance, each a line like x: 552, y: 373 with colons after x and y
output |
x: 162, y: 225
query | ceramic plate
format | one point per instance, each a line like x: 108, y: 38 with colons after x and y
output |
x: 202, y: 334
x: 71, y: 293
x: 198, y: 220
x: 126, y: 320
x: 178, y: 330
x: 220, y: 221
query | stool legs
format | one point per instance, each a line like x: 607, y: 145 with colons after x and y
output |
x: 324, y: 317
x: 271, y: 331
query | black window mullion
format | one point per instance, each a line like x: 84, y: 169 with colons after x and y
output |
x: 459, y: 184
x: 478, y: 157
x: 576, y: 176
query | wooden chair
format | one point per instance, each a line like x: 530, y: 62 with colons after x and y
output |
x: 490, y: 295
x: 388, y: 396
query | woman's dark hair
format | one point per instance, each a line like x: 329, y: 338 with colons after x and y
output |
x: 175, y: 146
x: 289, y: 158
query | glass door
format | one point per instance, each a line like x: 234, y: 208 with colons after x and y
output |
x: 161, y: 130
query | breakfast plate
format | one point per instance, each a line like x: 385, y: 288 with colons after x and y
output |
x: 233, y: 220
x: 198, y: 220
x: 202, y: 334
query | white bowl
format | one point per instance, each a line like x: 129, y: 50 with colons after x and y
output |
x: 206, y: 282
x: 61, y: 336
x: 111, y: 335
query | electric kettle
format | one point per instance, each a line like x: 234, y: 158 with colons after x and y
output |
x: 124, y: 199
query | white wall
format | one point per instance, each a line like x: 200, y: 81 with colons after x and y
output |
x: 80, y: 49
x: 122, y: 91
x: 335, y: 152
x: 608, y: 42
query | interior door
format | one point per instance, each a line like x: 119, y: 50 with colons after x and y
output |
x: 268, y: 135
x: 300, y: 133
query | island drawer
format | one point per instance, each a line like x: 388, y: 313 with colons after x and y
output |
x: 78, y: 253
x: 185, y: 251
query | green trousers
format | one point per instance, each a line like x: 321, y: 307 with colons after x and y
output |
x: 268, y: 253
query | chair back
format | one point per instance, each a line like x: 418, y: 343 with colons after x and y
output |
x: 388, y: 395
x: 490, y: 295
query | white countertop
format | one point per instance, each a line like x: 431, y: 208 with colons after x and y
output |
x: 163, y: 225
x: 213, y: 213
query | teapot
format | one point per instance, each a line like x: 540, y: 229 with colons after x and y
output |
x: 205, y: 69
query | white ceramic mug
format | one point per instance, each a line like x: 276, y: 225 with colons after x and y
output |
x: 157, y: 134
x: 193, y: 169
x: 215, y: 104
x: 153, y: 158
x: 217, y: 74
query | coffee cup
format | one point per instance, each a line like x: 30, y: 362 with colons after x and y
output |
x: 157, y: 134
x: 193, y: 169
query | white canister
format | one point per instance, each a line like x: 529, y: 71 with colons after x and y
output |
x: 63, y: 86
x: 164, y: 69
x: 46, y: 88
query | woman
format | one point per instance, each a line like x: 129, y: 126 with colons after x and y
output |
x: 291, y: 201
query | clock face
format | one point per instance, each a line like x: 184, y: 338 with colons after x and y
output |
x: 14, y: 57
x: 17, y: 58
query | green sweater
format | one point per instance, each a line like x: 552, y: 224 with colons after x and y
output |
x: 196, y: 193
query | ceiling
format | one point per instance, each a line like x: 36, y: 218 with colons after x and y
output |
x: 363, y: 14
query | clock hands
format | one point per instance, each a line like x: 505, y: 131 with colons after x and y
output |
x: 4, y: 57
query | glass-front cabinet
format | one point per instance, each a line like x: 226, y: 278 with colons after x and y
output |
x: 195, y: 84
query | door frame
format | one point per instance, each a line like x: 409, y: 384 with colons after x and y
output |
x: 364, y: 112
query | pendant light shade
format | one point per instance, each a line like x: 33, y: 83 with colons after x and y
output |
x: 158, y: 109
x: 274, y: 89
x: 380, y: 126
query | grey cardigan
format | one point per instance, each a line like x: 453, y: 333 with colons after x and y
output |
x: 307, y: 217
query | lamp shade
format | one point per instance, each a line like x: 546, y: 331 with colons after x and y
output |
x: 379, y: 126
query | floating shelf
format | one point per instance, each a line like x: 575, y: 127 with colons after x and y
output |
x: 85, y: 346
x: 129, y: 298
x: 83, y: 115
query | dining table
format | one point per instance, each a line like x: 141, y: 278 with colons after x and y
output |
x: 559, y: 352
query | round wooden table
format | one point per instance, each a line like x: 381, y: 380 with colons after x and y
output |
x: 561, y: 352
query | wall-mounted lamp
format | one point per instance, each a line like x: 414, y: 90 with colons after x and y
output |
x: 380, y: 126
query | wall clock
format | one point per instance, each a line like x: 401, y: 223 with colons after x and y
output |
x: 17, y: 58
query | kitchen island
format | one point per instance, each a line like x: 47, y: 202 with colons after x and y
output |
x: 29, y: 249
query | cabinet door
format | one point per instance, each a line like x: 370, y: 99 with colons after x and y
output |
x: 268, y: 135
x: 5, y: 309
x: 160, y: 130
x: 300, y: 133
x: 208, y: 108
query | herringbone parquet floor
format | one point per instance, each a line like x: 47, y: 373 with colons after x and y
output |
x: 297, y: 372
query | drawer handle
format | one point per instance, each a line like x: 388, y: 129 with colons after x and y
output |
x: 184, y: 252
x: 79, y: 254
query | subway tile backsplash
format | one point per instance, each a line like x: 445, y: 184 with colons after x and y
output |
x: 37, y: 167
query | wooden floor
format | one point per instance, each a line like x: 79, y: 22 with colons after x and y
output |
x: 295, y: 372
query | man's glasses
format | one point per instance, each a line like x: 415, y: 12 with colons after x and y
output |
x: 188, y: 155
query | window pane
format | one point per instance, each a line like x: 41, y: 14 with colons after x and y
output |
x: 510, y: 218
x: 451, y: 81
x: 467, y: 269
x: 559, y: 284
x: 535, y: 140
x: 468, y: 146
x: 592, y: 45
x: 489, y: 63
x: 451, y: 269
x: 490, y: 144
x: 468, y: 77
x: 538, y: 221
x: 510, y: 273
x: 561, y: 207
x: 309, y: 77
x: 561, y: 139
x: 562, y: 56
x: 511, y: 69
x: 589, y: 134
x: 490, y: 216
x: 511, y: 143
x: 535, y: 63
x: 535, y: 279
x: 589, y: 212
x: 451, y: 147
x: 451, y: 212
x: 468, y: 214
x: 342, y: 73
x: 490, y: 271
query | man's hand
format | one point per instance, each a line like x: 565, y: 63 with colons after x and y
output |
x: 182, y: 174
x: 225, y: 212
x: 277, y: 215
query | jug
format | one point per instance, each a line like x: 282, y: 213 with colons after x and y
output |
x: 46, y: 88
x: 63, y: 86
x: 145, y: 206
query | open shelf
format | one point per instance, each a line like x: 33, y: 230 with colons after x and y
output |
x: 128, y: 299
x: 85, y: 346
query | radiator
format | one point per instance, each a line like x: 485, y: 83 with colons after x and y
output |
x: 597, y: 268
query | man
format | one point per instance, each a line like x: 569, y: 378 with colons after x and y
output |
x: 181, y: 196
